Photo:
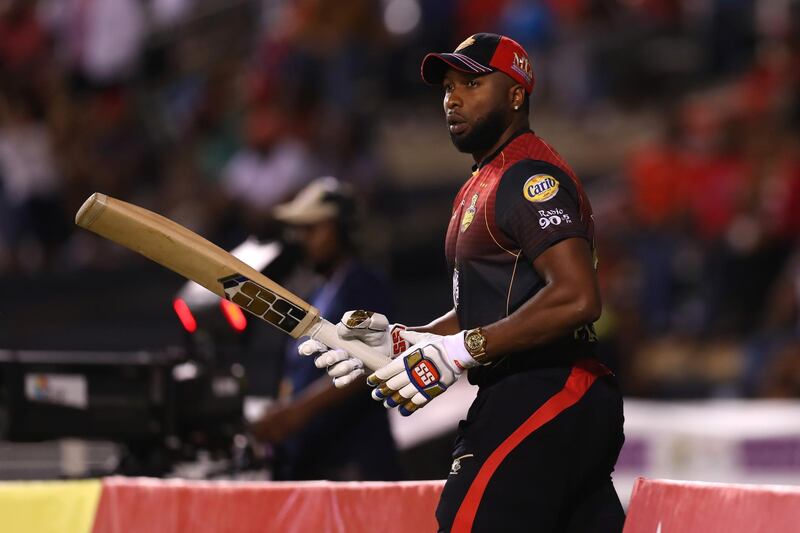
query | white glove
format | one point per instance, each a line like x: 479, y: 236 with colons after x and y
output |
x: 343, y: 368
x: 370, y: 328
x: 373, y: 329
x: 422, y: 372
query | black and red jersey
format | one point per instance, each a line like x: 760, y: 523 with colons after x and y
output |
x: 518, y: 202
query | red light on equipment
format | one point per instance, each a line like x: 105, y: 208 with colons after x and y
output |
x: 234, y: 314
x: 185, y: 315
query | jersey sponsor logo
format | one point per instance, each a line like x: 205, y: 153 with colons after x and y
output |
x: 469, y: 214
x: 469, y: 41
x: 540, y: 188
x: 262, y: 302
x: 553, y: 217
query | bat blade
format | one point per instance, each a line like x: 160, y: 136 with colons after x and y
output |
x: 193, y: 257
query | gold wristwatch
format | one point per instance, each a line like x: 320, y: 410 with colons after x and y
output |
x: 475, y: 343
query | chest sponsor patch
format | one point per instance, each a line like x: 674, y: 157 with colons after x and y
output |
x: 469, y: 213
x: 540, y: 188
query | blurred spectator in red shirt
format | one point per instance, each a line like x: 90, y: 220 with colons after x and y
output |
x: 23, y: 42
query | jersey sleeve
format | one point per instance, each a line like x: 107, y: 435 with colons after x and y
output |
x: 537, y: 205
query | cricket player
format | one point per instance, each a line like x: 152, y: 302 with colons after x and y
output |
x: 540, y: 441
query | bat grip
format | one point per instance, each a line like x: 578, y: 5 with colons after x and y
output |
x: 325, y: 332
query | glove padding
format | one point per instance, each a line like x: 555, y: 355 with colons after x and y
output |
x: 373, y: 329
x: 422, y: 372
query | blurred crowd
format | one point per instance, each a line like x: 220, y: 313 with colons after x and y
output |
x: 212, y: 112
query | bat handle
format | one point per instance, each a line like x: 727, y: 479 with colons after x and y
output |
x: 325, y: 332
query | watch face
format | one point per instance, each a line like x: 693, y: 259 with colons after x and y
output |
x: 475, y: 341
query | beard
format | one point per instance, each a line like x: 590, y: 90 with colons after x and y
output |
x: 483, y: 134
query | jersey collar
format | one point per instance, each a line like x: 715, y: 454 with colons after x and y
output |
x: 488, y: 159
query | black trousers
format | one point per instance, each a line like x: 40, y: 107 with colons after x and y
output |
x: 536, y: 453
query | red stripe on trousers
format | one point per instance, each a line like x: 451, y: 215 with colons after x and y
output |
x: 583, y: 375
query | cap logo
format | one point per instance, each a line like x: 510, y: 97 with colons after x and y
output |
x: 469, y: 41
x: 522, y: 66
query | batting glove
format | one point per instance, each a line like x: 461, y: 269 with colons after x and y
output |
x: 422, y: 372
x: 370, y: 328
x: 373, y: 329
x: 339, y: 365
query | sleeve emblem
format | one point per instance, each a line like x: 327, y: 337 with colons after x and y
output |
x: 540, y: 188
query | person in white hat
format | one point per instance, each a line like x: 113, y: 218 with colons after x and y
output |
x: 320, y: 431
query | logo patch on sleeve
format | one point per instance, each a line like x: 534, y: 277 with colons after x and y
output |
x: 540, y: 188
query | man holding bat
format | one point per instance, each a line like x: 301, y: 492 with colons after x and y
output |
x: 539, y: 443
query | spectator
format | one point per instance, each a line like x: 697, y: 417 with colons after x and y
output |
x: 33, y: 221
x: 322, y: 432
x: 23, y: 43
x: 98, y: 41
x: 269, y: 169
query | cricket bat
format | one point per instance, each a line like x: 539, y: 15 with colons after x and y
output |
x: 193, y: 257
